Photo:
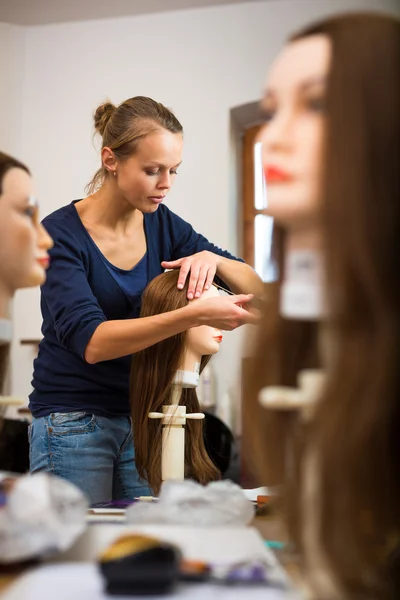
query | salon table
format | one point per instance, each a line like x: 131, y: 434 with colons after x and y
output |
x: 74, y: 575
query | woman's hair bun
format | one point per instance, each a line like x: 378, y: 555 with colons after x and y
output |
x: 102, y: 115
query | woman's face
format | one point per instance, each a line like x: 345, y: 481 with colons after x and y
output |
x: 204, y: 340
x: 293, y: 137
x: 145, y: 178
x: 24, y: 241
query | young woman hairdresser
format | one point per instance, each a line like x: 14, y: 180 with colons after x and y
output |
x: 107, y: 247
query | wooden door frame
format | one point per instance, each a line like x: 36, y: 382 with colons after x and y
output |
x: 248, y: 209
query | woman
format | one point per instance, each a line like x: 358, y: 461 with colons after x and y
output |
x: 336, y: 88
x: 24, y: 244
x: 152, y: 375
x: 108, y: 246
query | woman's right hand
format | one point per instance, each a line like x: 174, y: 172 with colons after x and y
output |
x: 227, y: 312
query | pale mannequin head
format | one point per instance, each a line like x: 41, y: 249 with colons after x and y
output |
x: 24, y: 241
x: 293, y: 137
x: 202, y: 340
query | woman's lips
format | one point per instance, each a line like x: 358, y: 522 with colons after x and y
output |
x: 156, y: 199
x: 218, y: 338
x: 276, y: 175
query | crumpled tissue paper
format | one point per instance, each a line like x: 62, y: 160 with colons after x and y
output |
x: 40, y: 515
x: 220, y: 503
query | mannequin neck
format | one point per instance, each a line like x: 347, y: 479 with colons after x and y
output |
x: 187, y: 377
x: 191, y: 361
x: 5, y: 303
x: 302, y: 239
x: 188, y: 373
x: 5, y: 321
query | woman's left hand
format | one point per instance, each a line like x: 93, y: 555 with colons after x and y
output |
x: 202, y: 267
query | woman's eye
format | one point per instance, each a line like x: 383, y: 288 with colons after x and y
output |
x: 172, y: 172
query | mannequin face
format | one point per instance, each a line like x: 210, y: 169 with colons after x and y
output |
x: 293, y: 136
x: 24, y: 241
x: 204, y: 340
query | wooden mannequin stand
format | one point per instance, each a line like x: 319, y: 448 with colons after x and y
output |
x: 173, y: 432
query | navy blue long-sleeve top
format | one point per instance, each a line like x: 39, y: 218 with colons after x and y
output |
x: 83, y: 290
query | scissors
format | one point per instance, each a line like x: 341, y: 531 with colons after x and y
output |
x: 219, y: 287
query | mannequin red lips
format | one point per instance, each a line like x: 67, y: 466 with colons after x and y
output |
x: 276, y: 175
x: 44, y: 261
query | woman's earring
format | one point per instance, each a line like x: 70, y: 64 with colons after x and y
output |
x: 115, y: 173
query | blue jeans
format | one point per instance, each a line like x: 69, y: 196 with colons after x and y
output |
x: 95, y: 453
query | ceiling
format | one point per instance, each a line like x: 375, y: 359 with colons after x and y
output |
x: 41, y: 12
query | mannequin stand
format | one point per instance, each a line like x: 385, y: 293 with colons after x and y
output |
x: 173, y: 432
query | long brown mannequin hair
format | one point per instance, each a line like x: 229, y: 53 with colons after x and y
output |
x: 283, y: 348
x: 355, y: 432
x: 152, y: 373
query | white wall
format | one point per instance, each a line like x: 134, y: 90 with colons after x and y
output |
x: 201, y: 63
x: 12, y: 71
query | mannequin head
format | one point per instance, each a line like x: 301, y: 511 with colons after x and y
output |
x: 201, y: 341
x: 23, y: 241
x: 152, y: 374
x: 354, y: 432
x: 293, y: 136
x: 293, y: 143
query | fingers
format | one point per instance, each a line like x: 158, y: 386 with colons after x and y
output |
x: 172, y: 264
x: 252, y: 316
x: 194, y: 276
x: 183, y: 273
x: 203, y: 276
x: 184, y: 265
x: 246, y: 316
x: 241, y: 298
x: 209, y: 279
x: 202, y: 271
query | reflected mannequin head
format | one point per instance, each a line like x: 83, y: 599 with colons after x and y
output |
x: 142, y: 143
x: 152, y: 374
x: 293, y: 136
x: 24, y: 241
x: 354, y: 430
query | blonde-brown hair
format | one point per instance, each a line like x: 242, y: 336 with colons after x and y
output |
x: 122, y: 128
x: 354, y: 434
x: 152, y: 373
